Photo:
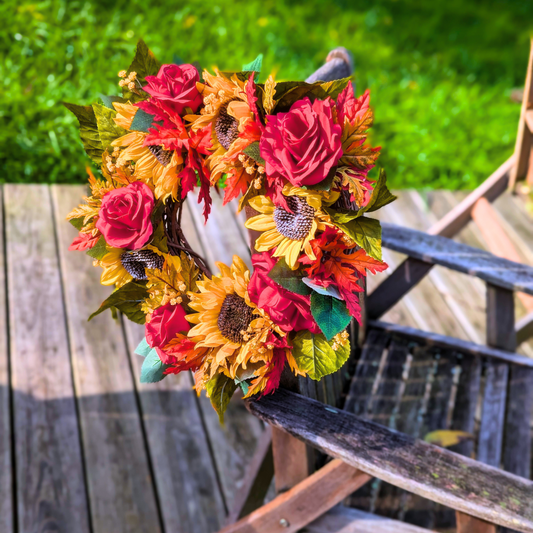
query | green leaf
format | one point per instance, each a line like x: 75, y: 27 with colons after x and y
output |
x: 99, y: 250
x: 220, y: 390
x: 314, y: 354
x: 108, y: 100
x: 143, y: 349
x: 289, y: 279
x: 127, y: 299
x: 152, y: 369
x: 77, y: 222
x: 255, y: 65
x: 144, y: 63
x: 330, y: 314
x: 89, y: 134
x: 142, y: 121
x: 335, y: 87
x: 107, y: 128
x: 381, y: 195
x: 252, y: 150
x: 366, y: 232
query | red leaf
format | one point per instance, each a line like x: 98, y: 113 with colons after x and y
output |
x: 84, y: 241
x: 237, y: 183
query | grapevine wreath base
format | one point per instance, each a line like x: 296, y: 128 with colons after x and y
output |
x: 296, y: 157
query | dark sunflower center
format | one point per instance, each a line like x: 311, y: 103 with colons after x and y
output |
x: 162, y: 155
x: 296, y: 225
x: 226, y: 127
x: 136, y: 263
x: 235, y: 316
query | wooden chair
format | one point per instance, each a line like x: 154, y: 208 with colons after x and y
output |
x: 402, y: 383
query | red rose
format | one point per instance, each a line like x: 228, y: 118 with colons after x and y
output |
x: 290, y: 311
x: 172, y: 90
x: 165, y: 324
x: 124, y: 218
x: 302, y: 145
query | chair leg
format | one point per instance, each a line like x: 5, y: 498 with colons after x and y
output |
x: 469, y: 524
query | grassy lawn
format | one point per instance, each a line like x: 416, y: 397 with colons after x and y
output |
x: 440, y: 72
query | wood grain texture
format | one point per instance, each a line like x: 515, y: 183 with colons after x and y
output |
x: 442, y: 251
x: 443, y: 341
x: 257, y: 481
x: 294, y: 509
x: 524, y: 136
x: 291, y: 462
x: 456, y: 219
x: 469, y: 524
x: 184, y: 472
x: 50, y: 483
x: 342, y: 519
x: 121, y: 488
x: 6, y: 472
x: 435, y: 473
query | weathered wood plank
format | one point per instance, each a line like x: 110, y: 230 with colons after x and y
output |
x: 6, y: 465
x: 294, y: 509
x: 121, y: 488
x: 442, y: 251
x: 359, y: 396
x: 466, y: 399
x: 183, y: 469
x: 342, y: 519
x: 493, y: 414
x: 50, y: 485
x: 524, y: 136
x: 517, y: 444
x: 258, y: 477
x: 443, y: 341
x: 426, y: 470
x: 460, y: 215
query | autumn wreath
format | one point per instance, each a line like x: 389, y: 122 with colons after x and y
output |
x: 295, y: 155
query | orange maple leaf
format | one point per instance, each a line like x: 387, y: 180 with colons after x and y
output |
x: 237, y: 183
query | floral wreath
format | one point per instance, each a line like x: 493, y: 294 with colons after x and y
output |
x: 295, y: 155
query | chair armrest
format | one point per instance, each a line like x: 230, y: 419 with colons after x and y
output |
x: 416, y: 466
x: 437, y: 250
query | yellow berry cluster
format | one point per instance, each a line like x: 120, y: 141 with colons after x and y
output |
x: 127, y: 80
x: 341, y: 339
x: 252, y: 167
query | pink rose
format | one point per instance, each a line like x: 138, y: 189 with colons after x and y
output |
x: 302, y: 145
x: 165, y: 324
x: 290, y: 311
x: 172, y: 90
x: 124, y: 218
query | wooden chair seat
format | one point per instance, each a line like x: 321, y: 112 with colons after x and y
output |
x: 418, y: 383
x: 343, y: 519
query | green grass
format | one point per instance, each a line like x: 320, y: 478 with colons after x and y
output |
x: 440, y: 72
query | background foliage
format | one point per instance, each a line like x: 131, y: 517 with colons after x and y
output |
x: 440, y: 72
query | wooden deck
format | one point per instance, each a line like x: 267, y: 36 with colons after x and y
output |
x: 84, y: 447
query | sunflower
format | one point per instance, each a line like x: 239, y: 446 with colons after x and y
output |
x: 240, y: 338
x: 226, y: 111
x: 290, y: 232
x: 121, y: 266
